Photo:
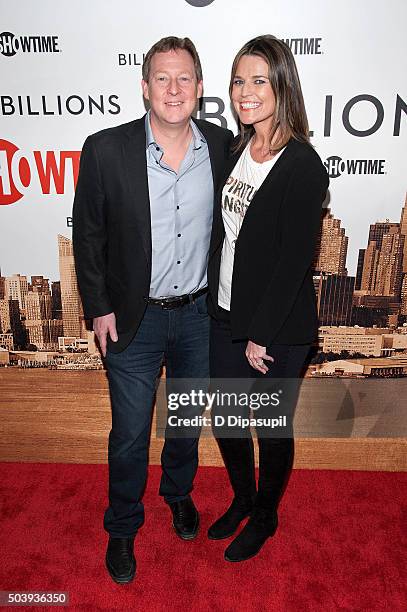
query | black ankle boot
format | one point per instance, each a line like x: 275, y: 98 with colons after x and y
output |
x: 261, y: 525
x: 227, y: 524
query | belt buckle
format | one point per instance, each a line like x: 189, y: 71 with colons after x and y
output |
x: 182, y: 300
x: 175, y: 302
x: 171, y: 304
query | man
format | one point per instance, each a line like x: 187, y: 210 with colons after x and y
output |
x: 142, y: 218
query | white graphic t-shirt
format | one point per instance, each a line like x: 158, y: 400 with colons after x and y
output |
x: 239, y: 190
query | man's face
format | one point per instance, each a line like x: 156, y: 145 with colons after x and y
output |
x: 172, y: 88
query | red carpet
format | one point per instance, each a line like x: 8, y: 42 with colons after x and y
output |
x: 340, y: 545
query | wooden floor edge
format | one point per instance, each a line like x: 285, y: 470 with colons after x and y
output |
x: 370, y: 454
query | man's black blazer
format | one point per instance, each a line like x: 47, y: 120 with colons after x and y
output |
x: 273, y: 297
x: 112, y: 225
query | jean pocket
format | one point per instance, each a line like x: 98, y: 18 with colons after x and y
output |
x: 200, y: 306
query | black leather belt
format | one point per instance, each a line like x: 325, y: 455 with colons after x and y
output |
x: 176, y: 301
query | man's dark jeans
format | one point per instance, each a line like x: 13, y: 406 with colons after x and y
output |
x: 181, y: 336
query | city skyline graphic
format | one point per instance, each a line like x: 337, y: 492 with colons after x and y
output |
x: 360, y: 317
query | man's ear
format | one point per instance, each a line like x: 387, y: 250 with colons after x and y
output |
x: 144, y: 86
x: 200, y: 89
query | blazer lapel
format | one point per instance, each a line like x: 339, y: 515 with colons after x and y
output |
x: 216, y: 151
x: 282, y: 160
x: 135, y: 167
x: 218, y: 231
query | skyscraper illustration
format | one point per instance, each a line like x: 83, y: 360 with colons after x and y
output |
x: 403, y: 232
x: 72, y: 313
x: 333, y: 246
x: 390, y: 264
x: 335, y: 294
x: 16, y: 288
x: 383, y: 260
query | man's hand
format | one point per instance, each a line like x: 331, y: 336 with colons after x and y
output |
x: 255, y: 355
x: 103, y: 326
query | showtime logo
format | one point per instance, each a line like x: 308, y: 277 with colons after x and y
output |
x: 10, y: 44
x: 336, y: 166
x: 48, y: 171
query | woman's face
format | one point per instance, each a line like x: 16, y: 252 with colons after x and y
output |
x: 252, y: 94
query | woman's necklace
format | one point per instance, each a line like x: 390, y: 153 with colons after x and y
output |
x: 260, y: 155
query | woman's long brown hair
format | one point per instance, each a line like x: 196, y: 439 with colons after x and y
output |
x: 290, y: 117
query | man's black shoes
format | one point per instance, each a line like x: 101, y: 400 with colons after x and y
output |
x: 120, y: 560
x: 185, y: 518
x: 227, y: 524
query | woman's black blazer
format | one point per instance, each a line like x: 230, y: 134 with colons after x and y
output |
x: 273, y: 297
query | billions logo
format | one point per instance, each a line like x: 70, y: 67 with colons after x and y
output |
x: 336, y: 166
x: 10, y: 44
x: 47, y: 170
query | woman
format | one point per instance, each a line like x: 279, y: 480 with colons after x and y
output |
x: 261, y: 293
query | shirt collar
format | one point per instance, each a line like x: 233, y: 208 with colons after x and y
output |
x: 197, y: 136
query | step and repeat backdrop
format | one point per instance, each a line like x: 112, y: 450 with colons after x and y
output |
x: 69, y: 69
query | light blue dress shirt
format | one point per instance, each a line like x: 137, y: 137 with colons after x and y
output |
x: 181, y: 207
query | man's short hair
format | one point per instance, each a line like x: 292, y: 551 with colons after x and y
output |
x: 172, y: 43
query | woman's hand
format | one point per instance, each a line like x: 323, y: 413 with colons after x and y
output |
x: 256, y: 355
